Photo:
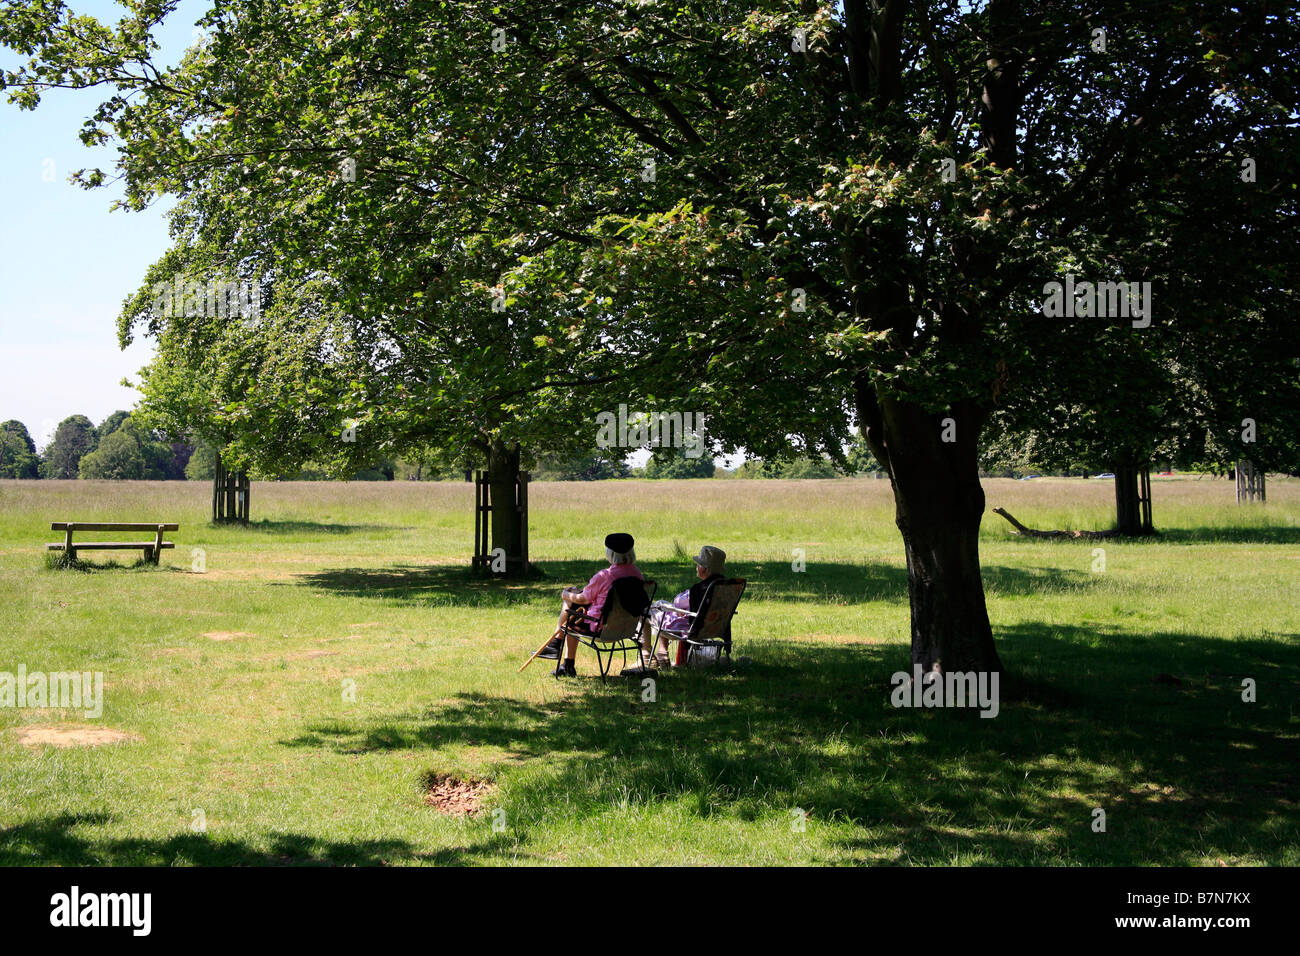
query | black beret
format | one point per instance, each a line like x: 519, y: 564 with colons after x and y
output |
x: 619, y: 543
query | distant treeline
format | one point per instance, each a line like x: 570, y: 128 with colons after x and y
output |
x: 117, y: 449
x: 120, y: 449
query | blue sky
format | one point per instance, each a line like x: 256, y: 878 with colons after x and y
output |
x: 66, y: 261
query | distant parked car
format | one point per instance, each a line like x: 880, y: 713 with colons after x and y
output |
x: 1105, y: 474
x: 1028, y: 477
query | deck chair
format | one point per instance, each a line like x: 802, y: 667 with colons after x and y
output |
x: 622, y: 622
x: 710, y: 630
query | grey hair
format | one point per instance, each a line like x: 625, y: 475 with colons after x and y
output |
x: 627, y: 557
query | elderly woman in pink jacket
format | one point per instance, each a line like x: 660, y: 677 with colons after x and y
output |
x: 583, y: 607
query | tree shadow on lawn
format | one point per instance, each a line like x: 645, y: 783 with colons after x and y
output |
x: 268, y: 526
x: 67, y: 840
x: 1267, y: 534
x: 1261, y: 534
x: 823, y: 582
x: 1181, y: 769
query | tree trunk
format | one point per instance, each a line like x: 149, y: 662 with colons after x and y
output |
x: 932, y: 459
x: 507, y: 531
x: 1132, y: 491
x: 939, y: 505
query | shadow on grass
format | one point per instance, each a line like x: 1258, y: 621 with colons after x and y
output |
x: 267, y: 526
x: 1245, y: 534
x: 823, y: 582
x: 67, y: 839
x: 60, y: 561
x: 1151, y: 728
x: 1182, y: 766
x: 1267, y: 534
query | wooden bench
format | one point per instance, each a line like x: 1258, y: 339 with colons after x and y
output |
x: 151, y: 549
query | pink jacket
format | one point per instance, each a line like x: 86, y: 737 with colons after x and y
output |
x: 597, y: 588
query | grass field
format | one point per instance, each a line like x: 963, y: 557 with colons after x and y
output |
x: 230, y: 684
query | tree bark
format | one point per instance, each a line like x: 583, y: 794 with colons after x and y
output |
x: 939, y: 505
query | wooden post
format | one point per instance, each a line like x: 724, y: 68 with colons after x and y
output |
x: 478, y: 521
x: 216, y: 491
x: 157, y: 545
x: 482, y: 520
x: 67, y: 542
x: 1250, y: 483
x: 523, y: 523
x: 1144, y: 497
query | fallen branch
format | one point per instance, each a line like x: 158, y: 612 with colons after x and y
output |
x: 1032, y: 533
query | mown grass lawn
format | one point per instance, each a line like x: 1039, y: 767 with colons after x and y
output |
x: 1124, y: 686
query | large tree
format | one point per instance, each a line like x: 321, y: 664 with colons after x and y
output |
x: 813, y: 212
x: 18, y: 458
x: 74, y: 438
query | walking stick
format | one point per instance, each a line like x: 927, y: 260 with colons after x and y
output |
x: 539, y: 650
x: 559, y: 632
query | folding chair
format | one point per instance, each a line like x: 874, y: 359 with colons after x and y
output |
x: 622, y: 621
x: 710, y: 625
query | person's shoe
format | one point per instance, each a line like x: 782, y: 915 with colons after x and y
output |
x: 552, y: 650
x: 566, y: 669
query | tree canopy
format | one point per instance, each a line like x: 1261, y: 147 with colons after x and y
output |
x: 73, y: 439
x: 18, y: 458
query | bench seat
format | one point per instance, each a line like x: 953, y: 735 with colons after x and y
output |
x: 151, y: 549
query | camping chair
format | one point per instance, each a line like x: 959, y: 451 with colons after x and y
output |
x: 710, y: 630
x: 622, y: 621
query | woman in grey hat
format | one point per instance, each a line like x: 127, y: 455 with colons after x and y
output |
x: 710, y: 566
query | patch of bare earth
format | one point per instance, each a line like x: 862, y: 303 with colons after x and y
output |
x: 74, y: 735
x: 227, y: 635
x: 455, y: 797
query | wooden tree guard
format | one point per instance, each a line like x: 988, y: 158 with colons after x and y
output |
x: 1133, y: 499
x: 483, y: 506
x: 1144, y: 499
x: 1250, y: 483
x: 230, y: 493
